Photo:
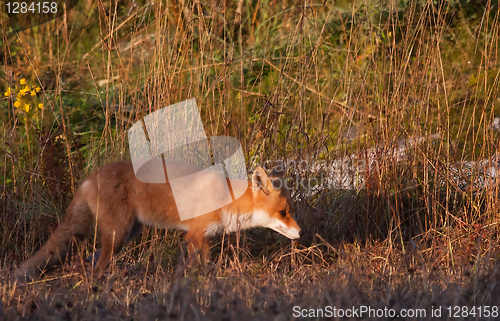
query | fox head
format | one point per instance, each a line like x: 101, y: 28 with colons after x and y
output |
x: 273, y: 205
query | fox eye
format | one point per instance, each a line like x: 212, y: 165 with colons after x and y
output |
x: 283, y: 212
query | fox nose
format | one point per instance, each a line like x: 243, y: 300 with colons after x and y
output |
x: 301, y: 233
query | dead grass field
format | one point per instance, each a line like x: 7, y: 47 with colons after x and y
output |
x: 398, y: 98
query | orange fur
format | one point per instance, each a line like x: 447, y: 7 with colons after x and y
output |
x: 121, y: 204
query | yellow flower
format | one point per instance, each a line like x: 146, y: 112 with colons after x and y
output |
x: 22, y: 81
x: 17, y: 104
x: 27, y: 107
x: 33, y: 93
x: 40, y: 106
x: 23, y: 91
x: 37, y: 89
x: 7, y: 93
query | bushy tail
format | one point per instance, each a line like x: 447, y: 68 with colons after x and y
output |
x: 77, y: 224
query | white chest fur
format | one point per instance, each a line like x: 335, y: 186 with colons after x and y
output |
x: 232, y: 222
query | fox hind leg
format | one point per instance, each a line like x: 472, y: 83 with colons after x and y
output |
x: 112, y: 241
x: 198, y: 249
x: 112, y: 244
x: 134, y: 232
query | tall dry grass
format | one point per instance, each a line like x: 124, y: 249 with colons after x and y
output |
x: 296, y: 81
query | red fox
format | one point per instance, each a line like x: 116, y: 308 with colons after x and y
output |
x: 120, y: 204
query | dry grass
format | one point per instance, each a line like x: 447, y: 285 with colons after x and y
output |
x: 321, y: 81
x: 256, y: 289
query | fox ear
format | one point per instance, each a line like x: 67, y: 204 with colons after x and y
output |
x: 260, y: 181
x: 279, y: 170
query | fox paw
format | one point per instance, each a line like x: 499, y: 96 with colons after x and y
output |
x: 25, y: 274
x: 94, y: 258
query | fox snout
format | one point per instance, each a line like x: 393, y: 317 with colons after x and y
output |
x: 292, y: 231
x: 295, y: 233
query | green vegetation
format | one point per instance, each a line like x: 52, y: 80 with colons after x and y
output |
x: 292, y: 80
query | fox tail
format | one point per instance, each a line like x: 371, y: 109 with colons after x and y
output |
x: 76, y: 225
